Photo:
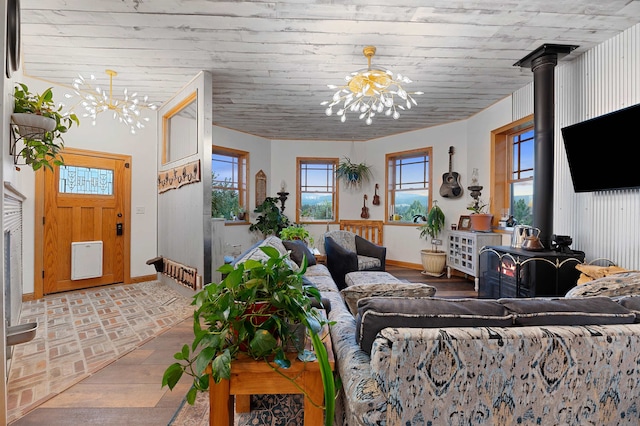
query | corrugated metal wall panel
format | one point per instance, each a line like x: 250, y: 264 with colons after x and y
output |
x: 522, y: 102
x: 604, y: 79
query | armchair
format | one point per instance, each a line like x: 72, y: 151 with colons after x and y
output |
x: 347, y: 252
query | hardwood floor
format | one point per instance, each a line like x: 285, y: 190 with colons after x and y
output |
x: 128, y: 391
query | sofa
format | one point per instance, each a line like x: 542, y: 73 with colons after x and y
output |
x: 429, y: 361
x: 493, y: 375
x: 348, y: 252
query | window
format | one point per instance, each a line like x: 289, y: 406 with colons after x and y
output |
x: 408, y: 184
x: 317, y: 197
x: 229, y: 192
x: 513, y: 157
x: 85, y: 180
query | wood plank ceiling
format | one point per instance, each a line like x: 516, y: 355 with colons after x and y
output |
x: 271, y: 61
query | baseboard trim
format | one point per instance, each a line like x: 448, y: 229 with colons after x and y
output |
x: 143, y: 278
x: 29, y: 297
x: 408, y: 265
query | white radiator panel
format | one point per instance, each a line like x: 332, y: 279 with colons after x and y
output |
x: 86, y: 260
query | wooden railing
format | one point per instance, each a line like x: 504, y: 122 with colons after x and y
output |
x: 370, y: 230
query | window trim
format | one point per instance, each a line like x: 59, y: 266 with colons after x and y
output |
x: 388, y: 198
x: 501, y: 170
x: 244, y: 190
x: 336, y: 190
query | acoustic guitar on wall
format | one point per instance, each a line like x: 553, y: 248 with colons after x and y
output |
x: 376, y: 197
x: 450, y: 187
x: 365, y: 209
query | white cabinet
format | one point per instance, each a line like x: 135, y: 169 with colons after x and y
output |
x: 462, y: 250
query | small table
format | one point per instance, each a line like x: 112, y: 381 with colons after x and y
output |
x: 321, y: 258
x: 251, y: 377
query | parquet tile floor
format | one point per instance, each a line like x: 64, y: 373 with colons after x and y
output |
x: 125, y: 387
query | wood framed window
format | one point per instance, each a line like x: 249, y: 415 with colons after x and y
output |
x: 316, y: 190
x: 408, y: 189
x: 512, y: 171
x: 229, y: 184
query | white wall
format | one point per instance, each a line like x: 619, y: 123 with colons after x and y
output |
x: 106, y: 136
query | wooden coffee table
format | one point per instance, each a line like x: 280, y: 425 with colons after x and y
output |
x: 251, y: 377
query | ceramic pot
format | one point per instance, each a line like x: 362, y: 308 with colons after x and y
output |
x: 433, y: 262
x: 481, y: 222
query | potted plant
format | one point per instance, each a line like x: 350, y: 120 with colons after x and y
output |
x: 296, y: 232
x: 242, y: 213
x: 433, y: 260
x: 251, y: 312
x: 40, y: 125
x: 353, y: 174
x: 480, y: 219
x: 271, y: 220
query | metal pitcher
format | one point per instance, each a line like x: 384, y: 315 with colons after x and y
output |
x: 520, y: 234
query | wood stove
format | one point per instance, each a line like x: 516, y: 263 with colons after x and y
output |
x: 510, y: 272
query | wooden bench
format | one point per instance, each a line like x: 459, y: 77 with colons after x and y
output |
x: 370, y: 230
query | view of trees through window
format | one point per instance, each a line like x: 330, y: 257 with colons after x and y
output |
x: 522, y: 177
x: 317, y: 189
x: 408, y: 190
x: 228, y: 183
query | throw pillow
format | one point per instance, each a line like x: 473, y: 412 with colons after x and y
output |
x: 377, y: 313
x: 560, y: 311
x: 298, y: 250
x: 593, y: 272
x: 622, y: 284
x: 352, y: 294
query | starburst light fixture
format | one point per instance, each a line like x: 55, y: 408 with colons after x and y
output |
x: 371, y: 91
x: 126, y: 110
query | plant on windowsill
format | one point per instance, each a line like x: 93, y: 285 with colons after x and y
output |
x: 40, y: 125
x: 353, y: 174
x: 252, y: 312
x: 271, y: 220
x: 433, y: 260
x: 297, y: 232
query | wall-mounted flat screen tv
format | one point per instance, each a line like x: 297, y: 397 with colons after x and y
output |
x: 602, y: 151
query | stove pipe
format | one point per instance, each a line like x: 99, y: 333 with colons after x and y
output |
x: 542, y: 62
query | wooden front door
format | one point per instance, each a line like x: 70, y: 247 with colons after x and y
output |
x: 85, y: 201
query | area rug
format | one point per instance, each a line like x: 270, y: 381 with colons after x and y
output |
x: 82, y: 331
x: 266, y: 410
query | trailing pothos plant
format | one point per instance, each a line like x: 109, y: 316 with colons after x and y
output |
x: 252, y: 311
x: 42, y: 151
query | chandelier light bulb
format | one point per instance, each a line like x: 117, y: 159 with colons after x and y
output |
x: 126, y: 111
x: 370, y: 91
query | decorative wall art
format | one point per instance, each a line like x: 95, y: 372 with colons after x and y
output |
x: 261, y: 187
x: 178, y: 176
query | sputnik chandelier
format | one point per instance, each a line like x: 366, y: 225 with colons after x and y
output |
x: 371, y: 91
x: 125, y: 110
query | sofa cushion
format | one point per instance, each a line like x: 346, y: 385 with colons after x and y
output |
x: 377, y: 313
x: 632, y: 303
x: 622, y: 284
x: 299, y: 250
x: 560, y: 311
x: 354, y: 293
x: 366, y: 262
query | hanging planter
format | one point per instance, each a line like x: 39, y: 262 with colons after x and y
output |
x: 353, y: 174
x: 38, y: 124
x: 32, y: 126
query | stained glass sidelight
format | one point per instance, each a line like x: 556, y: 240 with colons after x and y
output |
x: 85, y: 180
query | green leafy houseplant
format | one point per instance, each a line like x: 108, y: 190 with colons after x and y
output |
x: 251, y: 312
x: 41, y: 150
x: 433, y: 225
x: 296, y: 232
x: 271, y: 220
x: 353, y: 174
x: 478, y: 206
